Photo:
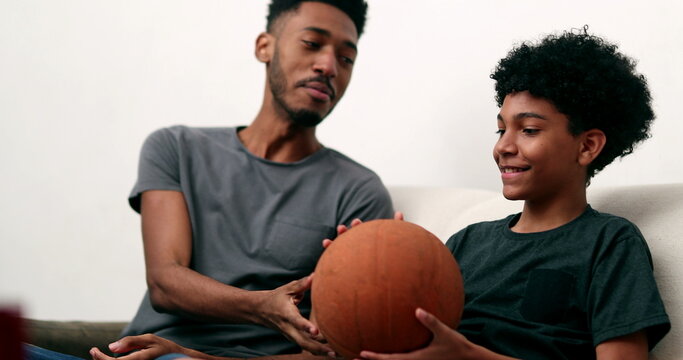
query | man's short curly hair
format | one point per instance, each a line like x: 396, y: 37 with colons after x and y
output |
x: 588, y: 80
x: 355, y: 9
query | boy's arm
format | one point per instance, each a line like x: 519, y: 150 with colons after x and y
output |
x: 175, y: 288
x: 628, y: 347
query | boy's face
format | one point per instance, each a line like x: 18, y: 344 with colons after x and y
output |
x: 537, y: 156
x: 313, y: 60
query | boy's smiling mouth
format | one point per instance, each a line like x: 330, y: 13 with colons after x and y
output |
x: 512, y: 169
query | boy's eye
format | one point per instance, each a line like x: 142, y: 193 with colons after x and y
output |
x: 500, y: 132
x: 529, y: 131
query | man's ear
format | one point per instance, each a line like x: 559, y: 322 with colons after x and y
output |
x: 592, y: 142
x: 265, y: 44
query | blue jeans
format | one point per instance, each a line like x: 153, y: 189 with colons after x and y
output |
x: 171, y: 357
x: 33, y: 352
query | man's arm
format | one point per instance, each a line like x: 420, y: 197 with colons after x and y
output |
x: 149, y: 347
x: 628, y: 347
x: 175, y: 288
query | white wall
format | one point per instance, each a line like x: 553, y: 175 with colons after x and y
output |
x: 82, y: 82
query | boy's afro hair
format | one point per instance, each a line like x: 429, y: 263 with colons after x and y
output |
x: 588, y: 80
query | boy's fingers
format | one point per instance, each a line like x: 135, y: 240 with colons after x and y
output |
x: 429, y: 321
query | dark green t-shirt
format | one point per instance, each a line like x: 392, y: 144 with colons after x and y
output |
x: 256, y: 224
x: 559, y: 293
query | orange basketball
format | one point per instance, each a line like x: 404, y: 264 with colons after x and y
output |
x: 369, y: 282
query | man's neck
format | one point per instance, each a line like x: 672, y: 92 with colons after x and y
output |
x: 274, y: 138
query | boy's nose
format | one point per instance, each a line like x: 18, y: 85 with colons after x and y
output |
x: 505, y: 145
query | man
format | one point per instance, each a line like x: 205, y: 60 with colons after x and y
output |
x: 232, y: 218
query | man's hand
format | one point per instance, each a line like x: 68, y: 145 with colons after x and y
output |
x: 279, y: 311
x: 343, y: 228
x: 148, y: 347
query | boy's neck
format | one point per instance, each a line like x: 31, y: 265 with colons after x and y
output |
x: 548, y: 214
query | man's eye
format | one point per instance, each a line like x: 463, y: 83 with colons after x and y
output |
x: 500, y: 132
x: 347, y: 60
x: 530, y: 131
x: 311, y: 44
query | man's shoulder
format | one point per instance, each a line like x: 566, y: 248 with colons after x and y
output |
x: 348, y: 166
x: 182, y: 136
x: 184, y: 131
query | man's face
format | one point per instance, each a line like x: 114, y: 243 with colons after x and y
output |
x: 312, y: 62
x: 537, y: 155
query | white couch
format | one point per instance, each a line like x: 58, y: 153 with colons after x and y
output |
x: 656, y: 209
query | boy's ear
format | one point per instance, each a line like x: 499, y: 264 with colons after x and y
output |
x: 592, y: 142
x: 265, y: 44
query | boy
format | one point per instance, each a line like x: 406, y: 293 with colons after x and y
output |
x: 559, y: 280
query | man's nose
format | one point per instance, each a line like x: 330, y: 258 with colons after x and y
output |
x: 326, y: 64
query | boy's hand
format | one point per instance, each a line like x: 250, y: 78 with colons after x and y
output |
x: 342, y: 228
x: 446, y: 344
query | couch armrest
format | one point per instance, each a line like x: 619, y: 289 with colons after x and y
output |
x: 73, y: 337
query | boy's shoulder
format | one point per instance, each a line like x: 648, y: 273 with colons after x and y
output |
x: 599, y: 221
x: 483, y: 229
x: 592, y: 226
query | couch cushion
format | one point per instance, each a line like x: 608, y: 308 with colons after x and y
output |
x: 73, y: 337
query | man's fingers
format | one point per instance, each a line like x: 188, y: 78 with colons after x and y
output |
x: 305, y: 334
x: 297, y: 287
x: 96, y: 354
x: 130, y: 343
x: 310, y: 345
x: 398, y: 216
x: 340, y: 230
x: 300, y: 324
x: 356, y: 222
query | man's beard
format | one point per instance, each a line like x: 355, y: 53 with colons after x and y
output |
x: 278, y: 86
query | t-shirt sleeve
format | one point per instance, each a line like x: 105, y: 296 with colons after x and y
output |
x: 623, y: 295
x: 368, y: 201
x: 455, y: 240
x: 158, y: 168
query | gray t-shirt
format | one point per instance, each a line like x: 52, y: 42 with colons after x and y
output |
x: 256, y: 224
